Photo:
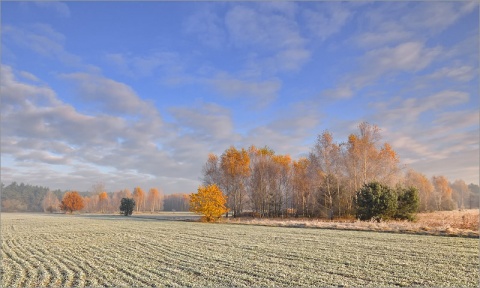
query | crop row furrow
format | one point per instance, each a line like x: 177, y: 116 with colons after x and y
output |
x: 191, y: 263
x: 229, y: 266
x: 63, y: 263
x: 125, y: 266
x: 7, y: 269
x: 41, y: 258
x: 76, y: 273
x: 15, y: 252
x: 154, y: 259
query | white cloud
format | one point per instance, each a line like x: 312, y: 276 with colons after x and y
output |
x: 463, y: 73
x: 387, y: 34
x: 271, y: 33
x: 436, y: 16
x: 409, y: 110
x: 288, y: 9
x: 409, y: 56
x: 395, y: 22
x: 263, y: 92
x: 344, y: 92
x: 60, y: 8
x: 205, y: 121
x: 110, y: 96
x: 328, y: 20
x: 435, y: 134
x: 168, y: 63
x: 17, y: 94
x: 42, y: 39
x: 206, y: 26
x: 460, y: 165
x: 289, y: 132
x: 291, y: 59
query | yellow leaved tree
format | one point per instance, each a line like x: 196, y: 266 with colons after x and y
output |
x: 208, y: 201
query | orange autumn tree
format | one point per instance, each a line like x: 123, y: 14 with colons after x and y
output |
x: 154, y: 198
x: 139, y: 197
x: 103, y: 201
x: 235, y: 167
x: 208, y: 201
x: 72, y: 201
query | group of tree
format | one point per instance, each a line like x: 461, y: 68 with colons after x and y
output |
x: 99, y: 201
x: 28, y: 198
x: 325, y: 183
x: 72, y: 201
x: 176, y: 202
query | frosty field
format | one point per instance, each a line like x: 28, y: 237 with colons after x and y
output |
x: 61, y: 250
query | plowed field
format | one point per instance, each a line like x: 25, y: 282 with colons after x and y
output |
x: 74, y: 251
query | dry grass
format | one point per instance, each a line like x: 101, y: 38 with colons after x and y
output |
x: 463, y: 223
x: 458, y: 219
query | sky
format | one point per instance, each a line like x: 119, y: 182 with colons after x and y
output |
x: 138, y: 93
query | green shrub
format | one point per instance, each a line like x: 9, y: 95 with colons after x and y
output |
x: 408, y: 202
x: 376, y: 201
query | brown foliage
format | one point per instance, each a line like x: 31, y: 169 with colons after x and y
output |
x: 72, y: 201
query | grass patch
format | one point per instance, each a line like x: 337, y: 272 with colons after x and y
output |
x: 444, y: 223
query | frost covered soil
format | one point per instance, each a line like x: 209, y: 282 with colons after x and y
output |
x: 73, y: 251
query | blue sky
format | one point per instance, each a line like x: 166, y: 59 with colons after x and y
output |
x: 137, y: 94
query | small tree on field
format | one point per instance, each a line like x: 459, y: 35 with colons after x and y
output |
x: 126, y: 206
x: 208, y: 201
x: 408, y: 203
x: 376, y: 201
x: 72, y: 201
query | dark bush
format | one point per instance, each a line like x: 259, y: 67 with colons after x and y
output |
x: 407, y: 202
x: 126, y: 206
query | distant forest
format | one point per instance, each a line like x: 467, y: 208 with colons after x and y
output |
x: 30, y: 198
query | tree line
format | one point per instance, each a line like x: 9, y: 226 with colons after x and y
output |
x: 29, y: 198
x: 261, y: 183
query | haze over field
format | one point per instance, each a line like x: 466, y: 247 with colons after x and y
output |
x: 134, y: 94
